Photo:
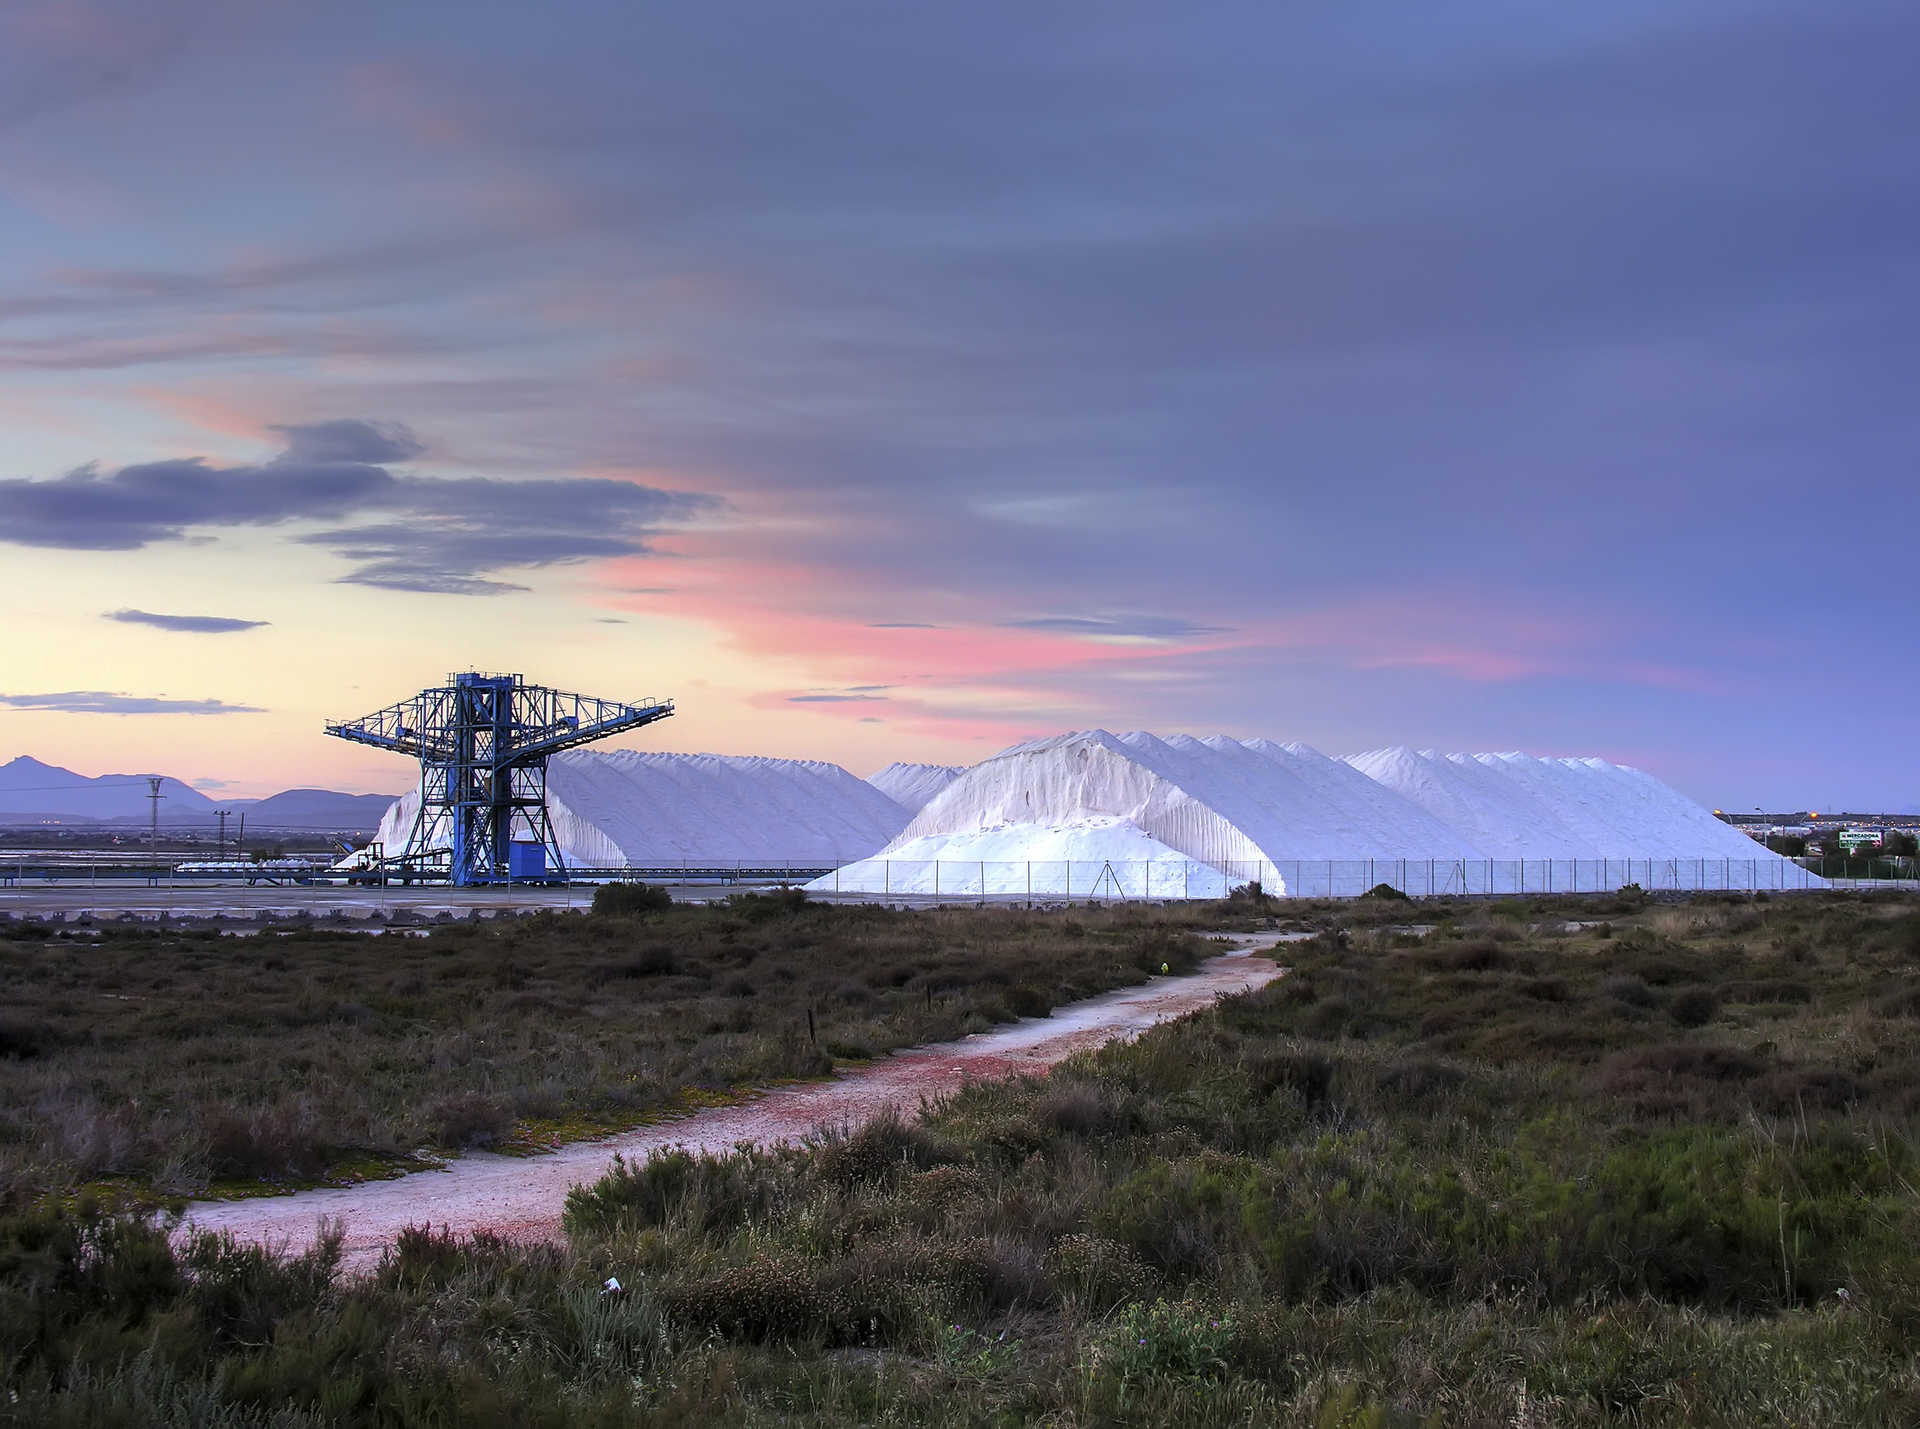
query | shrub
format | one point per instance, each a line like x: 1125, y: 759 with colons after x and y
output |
x: 626, y: 899
x: 1307, y: 1073
x: 468, y: 1119
x: 703, y: 1194
x: 879, y: 1151
x: 775, y: 1297
x: 1417, y: 1078
x: 1083, y: 1108
x: 264, y: 1144
x: 1680, y: 1078
x: 1250, y: 895
x: 1693, y: 1006
x: 25, y: 1040
x: 766, y: 907
x: 1098, y: 1272
x: 1479, y: 955
x: 1181, y: 1340
x: 1632, y: 990
x: 648, y: 960
x: 1387, y: 893
x: 1179, y: 1216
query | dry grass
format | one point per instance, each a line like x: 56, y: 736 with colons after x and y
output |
x: 183, y: 1061
x: 1459, y: 1180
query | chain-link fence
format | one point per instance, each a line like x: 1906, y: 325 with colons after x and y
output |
x: 1165, y: 879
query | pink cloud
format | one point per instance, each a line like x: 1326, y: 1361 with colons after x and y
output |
x: 794, y: 605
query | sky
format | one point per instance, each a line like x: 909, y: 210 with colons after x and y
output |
x: 887, y: 381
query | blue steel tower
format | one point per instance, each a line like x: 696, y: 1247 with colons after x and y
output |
x: 483, y: 743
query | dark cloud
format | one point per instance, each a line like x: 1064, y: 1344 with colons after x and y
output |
x: 836, y: 699
x: 900, y: 625
x: 187, y: 624
x: 444, y: 536
x: 348, y: 441
x: 90, y: 510
x: 110, y: 702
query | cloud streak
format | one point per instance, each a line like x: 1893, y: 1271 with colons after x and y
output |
x: 115, y: 703
x: 186, y: 624
x: 1120, y: 628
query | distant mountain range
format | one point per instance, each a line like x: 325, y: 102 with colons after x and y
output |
x: 32, y: 792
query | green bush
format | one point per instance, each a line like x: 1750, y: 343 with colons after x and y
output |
x: 1693, y: 1006
x: 1180, y: 1340
x: 625, y: 899
x: 704, y: 1195
x: 777, y: 1296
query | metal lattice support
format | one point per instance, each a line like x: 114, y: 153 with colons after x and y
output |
x: 483, y: 742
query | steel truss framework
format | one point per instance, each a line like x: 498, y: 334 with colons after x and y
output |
x: 483, y: 742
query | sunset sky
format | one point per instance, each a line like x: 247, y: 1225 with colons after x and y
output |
x: 895, y: 381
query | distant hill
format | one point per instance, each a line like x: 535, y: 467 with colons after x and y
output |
x: 35, y: 791
x: 32, y: 792
x: 318, y: 809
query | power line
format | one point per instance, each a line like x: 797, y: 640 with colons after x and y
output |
x: 85, y: 784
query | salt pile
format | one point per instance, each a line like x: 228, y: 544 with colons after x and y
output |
x: 1516, y: 806
x: 1095, y: 813
x: 637, y: 809
x: 912, y: 786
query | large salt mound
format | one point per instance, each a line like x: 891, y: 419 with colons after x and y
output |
x: 1089, y: 858
x: 1155, y: 815
x: 1517, y: 806
x: 1217, y: 800
x: 912, y: 786
x: 646, y: 810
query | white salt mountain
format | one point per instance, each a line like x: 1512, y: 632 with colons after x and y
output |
x: 1093, y: 812
x: 636, y: 809
x: 913, y: 786
x: 1517, y: 806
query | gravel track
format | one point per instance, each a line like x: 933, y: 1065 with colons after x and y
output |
x: 522, y: 1197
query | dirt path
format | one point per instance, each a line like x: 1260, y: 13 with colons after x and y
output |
x: 523, y: 1198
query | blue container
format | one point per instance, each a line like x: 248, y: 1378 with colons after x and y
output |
x: 526, y: 860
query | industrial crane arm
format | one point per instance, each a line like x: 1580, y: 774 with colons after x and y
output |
x: 556, y: 720
x: 540, y: 722
x: 397, y: 728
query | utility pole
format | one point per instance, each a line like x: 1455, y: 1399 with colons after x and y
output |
x: 154, y: 796
x: 220, y: 846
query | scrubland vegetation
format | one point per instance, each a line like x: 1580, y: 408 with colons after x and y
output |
x: 174, y: 1063
x: 1658, y: 1168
